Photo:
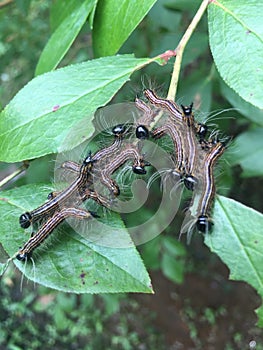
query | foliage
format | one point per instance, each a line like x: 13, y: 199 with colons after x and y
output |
x: 73, y: 18
x: 91, y: 267
x: 28, y: 121
x: 56, y: 320
x: 78, y: 90
x: 236, y: 23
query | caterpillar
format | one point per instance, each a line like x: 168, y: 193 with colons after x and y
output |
x: 47, y: 209
x: 181, y: 127
x: 57, y: 200
x: 207, y: 190
x: 56, y: 210
x: 195, y: 158
x: 36, y: 239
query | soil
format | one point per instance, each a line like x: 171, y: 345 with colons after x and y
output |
x: 206, y: 312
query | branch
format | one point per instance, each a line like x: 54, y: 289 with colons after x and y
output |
x: 5, y: 3
x: 180, y: 49
x: 18, y: 171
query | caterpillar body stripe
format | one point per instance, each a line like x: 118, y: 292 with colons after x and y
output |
x: 48, y: 209
x: 168, y: 105
x: 58, y: 200
x: 48, y: 227
x: 129, y: 152
x: 207, y: 190
x: 180, y: 125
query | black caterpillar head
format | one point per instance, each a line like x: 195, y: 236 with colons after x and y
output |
x: 204, y: 224
x: 119, y: 130
x: 25, y: 220
x: 142, y: 132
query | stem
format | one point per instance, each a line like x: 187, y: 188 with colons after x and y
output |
x: 180, y: 49
x: 5, y: 3
x: 14, y: 174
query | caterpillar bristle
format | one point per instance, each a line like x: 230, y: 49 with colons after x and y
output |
x: 102, y: 176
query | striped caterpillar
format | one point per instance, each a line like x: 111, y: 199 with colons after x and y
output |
x: 36, y: 239
x: 195, y: 158
x: 103, y: 164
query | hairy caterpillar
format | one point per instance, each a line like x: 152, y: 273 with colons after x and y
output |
x: 58, y: 208
x: 206, y: 191
x: 194, y: 157
x: 182, y: 129
x: 36, y: 239
x: 57, y: 200
x: 48, y: 209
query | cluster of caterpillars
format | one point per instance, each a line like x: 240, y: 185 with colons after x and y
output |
x: 194, y: 160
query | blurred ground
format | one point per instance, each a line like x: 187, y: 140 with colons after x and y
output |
x: 205, y: 312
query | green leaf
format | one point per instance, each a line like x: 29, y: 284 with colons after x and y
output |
x: 182, y: 5
x: 172, y: 268
x: 247, y: 109
x: 173, y: 247
x: 115, y: 21
x: 259, y: 312
x: 237, y: 240
x: 151, y: 253
x: 67, y: 261
x: 61, y: 9
x: 39, y: 117
x: 162, y: 17
x: 92, y: 14
x: 248, y: 152
x: 171, y: 263
x: 63, y: 37
x: 236, y: 40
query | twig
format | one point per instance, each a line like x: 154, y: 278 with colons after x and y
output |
x: 180, y: 49
x: 14, y: 174
x: 5, y: 3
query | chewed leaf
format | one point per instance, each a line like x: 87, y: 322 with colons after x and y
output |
x: 237, y: 239
x: 39, y: 117
x: 236, y: 40
x: 67, y: 261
